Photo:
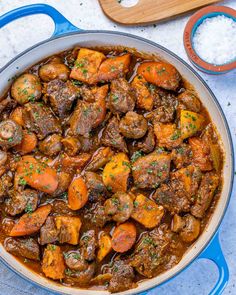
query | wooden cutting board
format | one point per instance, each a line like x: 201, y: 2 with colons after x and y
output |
x: 149, y: 11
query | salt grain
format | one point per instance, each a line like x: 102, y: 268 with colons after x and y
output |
x: 215, y: 40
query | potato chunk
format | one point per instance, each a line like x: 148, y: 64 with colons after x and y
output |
x: 53, y: 263
x: 86, y: 65
x: 147, y: 212
x: 167, y: 135
x: 116, y: 172
x: 104, y: 243
x: 190, y: 123
x: 69, y: 227
x: 145, y: 99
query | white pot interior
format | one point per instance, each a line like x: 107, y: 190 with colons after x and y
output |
x: 111, y: 39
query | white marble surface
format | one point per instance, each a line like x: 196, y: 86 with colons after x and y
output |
x: 200, y: 276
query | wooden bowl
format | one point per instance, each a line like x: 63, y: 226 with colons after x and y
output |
x: 194, y: 22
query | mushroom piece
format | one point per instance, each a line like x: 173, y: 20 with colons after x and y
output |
x: 51, y: 145
x: 53, y: 71
x: 133, y: 125
x: 187, y: 226
x: 26, y: 88
x: 177, y: 223
x: 10, y: 134
x: 120, y: 207
x: 191, y: 229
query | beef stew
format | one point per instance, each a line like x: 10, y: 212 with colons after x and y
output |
x: 110, y: 168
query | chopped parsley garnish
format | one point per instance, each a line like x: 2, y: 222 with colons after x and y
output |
x: 28, y: 208
x: 52, y: 247
x: 22, y: 181
x: 136, y: 155
x: 176, y: 135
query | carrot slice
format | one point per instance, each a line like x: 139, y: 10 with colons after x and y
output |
x: 37, y: 174
x: 77, y: 194
x: 114, y: 67
x: 161, y: 74
x: 28, y: 143
x: 124, y: 237
x: 31, y: 223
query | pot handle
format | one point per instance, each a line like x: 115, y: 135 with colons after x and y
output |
x: 62, y: 25
x: 214, y: 253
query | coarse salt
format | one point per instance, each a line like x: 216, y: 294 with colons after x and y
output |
x: 215, y: 40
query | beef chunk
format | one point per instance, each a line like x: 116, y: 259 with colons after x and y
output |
x: 179, y: 193
x: 122, y: 277
x: 187, y: 180
x: 89, y: 144
x: 60, y: 207
x: 96, y: 188
x: 39, y: 119
x: 150, y: 170
x: 61, y: 96
x: 5, y: 185
x: 165, y: 109
x: 112, y: 137
x: 201, y: 154
x: 133, y: 125
x: 27, y: 248
x: 182, y: 155
x: 172, y: 199
x: 64, y: 179
x: 75, y: 260
x: 155, y: 251
x: 48, y: 232
x: 147, y: 144
x: 6, y: 105
x: 208, y: 186
x: 96, y: 215
x: 87, y: 116
x: 81, y: 278
x: 88, y: 245
x: 78, y: 260
x: 122, y: 96
x: 190, y: 101
x: 19, y: 201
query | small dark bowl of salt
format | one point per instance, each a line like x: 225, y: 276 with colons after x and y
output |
x: 210, y: 39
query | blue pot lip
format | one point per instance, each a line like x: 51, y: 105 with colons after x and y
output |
x: 205, y: 85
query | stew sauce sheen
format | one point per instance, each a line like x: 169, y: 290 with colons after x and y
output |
x: 110, y: 168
